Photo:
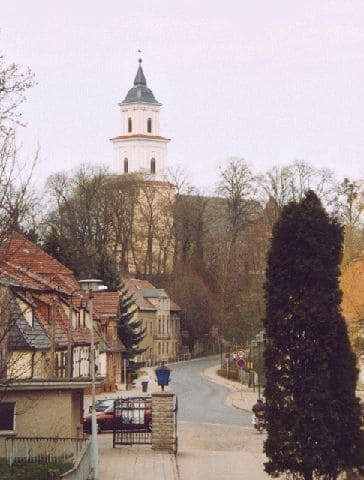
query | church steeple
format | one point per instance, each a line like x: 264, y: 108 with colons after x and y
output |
x: 140, y: 77
x: 140, y: 92
x: 139, y: 146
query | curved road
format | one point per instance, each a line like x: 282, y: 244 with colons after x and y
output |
x: 200, y: 400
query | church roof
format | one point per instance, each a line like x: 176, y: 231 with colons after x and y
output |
x: 140, y: 93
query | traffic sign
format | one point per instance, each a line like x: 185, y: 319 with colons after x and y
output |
x: 227, y: 355
x: 241, y: 354
x: 240, y: 363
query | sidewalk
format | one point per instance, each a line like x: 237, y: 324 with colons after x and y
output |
x: 241, y: 396
x: 140, y: 462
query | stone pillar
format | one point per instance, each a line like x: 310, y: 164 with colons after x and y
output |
x: 163, y: 421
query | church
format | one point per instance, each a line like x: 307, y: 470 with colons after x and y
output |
x: 140, y: 147
x: 140, y: 164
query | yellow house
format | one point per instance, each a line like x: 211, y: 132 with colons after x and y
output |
x: 352, y: 285
x: 161, y: 320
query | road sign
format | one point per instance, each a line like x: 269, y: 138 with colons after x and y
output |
x: 241, y: 354
x: 240, y: 363
x: 227, y: 356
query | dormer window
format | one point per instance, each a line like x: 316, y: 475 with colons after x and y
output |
x: 129, y: 125
x: 126, y: 165
x: 152, y: 165
x: 149, y: 125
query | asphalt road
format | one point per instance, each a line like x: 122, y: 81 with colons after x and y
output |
x: 200, y: 400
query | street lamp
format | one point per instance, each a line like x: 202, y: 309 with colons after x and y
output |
x: 163, y: 373
x: 93, y: 285
x: 254, y: 345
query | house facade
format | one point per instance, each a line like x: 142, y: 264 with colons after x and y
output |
x: 352, y: 285
x: 106, y: 312
x: 45, y: 345
x: 160, y: 318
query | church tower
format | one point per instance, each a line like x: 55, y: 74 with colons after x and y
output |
x: 139, y: 147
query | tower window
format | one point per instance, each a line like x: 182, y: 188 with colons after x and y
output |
x: 129, y: 125
x: 126, y: 165
x: 149, y: 125
x: 152, y: 165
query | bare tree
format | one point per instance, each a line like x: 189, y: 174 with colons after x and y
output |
x: 16, y: 199
x: 289, y: 183
x: 122, y: 193
x: 238, y: 187
x: 350, y: 210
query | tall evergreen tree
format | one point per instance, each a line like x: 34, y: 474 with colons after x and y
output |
x: 313, y: 421
x: 130, y: 331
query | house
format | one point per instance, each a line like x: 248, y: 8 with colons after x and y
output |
x: 106, y: 311
x: 352, y: 285
x: 45, y: 345
x: 46, y: 295
x: 160, y: 318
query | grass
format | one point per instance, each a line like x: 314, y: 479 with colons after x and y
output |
x: 30, y: 472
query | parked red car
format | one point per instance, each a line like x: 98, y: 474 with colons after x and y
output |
x: 137, y: 415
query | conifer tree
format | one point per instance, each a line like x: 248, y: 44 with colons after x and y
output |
x: 313, y: 426
x: 130, y: 331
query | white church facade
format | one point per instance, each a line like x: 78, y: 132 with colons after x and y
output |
x: 139, y: 147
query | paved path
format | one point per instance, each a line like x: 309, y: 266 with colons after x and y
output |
x: 136, y: 462
x: 206, y: 450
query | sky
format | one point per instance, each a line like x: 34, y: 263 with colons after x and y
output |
x: 267, y: 81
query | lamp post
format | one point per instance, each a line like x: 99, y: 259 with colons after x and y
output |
x: 92, y: 285
x: 253, y: 344
x: 221, y: 342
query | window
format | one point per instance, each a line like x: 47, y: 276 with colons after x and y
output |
x: 129, y: 125
x: 159, y: 348
x: 152, y: 165
x: 7, y: 416
x: 126, y: 165
x: 149, y: 125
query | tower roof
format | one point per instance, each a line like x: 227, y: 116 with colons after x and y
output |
x: 140, y: 93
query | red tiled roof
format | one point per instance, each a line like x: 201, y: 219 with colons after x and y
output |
x: 114, y: 345
x: 175, y: 307
x: 20, y: 254
x: 139, y: 135
x: 106, y: 304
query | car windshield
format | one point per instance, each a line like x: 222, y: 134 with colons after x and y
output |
x: 102, y: 405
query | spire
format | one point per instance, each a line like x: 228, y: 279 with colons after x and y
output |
x: 140, y: 92
x: 140, y: 77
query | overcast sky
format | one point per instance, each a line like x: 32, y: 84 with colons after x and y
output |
x: 271, y: 81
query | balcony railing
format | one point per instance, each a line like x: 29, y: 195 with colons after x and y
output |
x: 160, y: 336
x: 44, y: 449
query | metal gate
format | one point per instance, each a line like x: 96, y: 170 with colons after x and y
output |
x: 132, y: 421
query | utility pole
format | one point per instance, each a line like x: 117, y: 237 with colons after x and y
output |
x: 69, y: 341
x: 53, y: 339
x: 95, y: 451
x: 92, y: 285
